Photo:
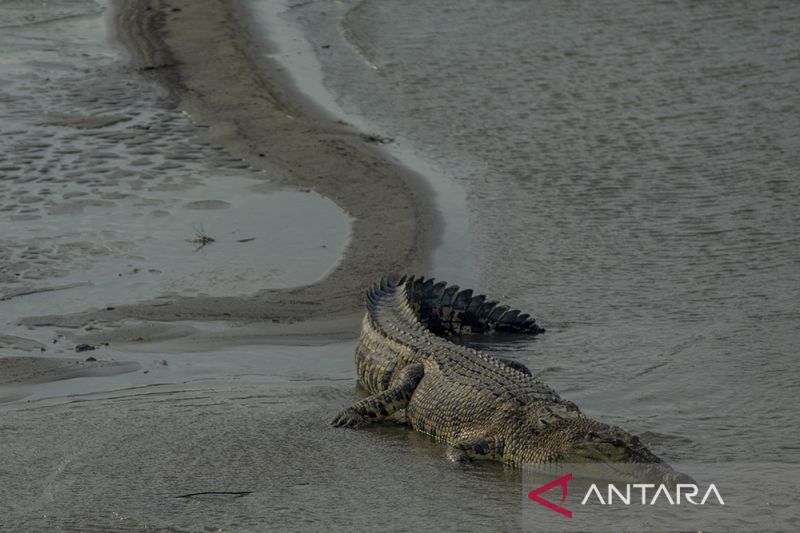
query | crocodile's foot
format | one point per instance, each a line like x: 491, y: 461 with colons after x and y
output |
x: 348, y: 418
x: 479, y: 448
x: 457, y: 456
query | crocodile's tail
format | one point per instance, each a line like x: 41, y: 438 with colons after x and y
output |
x: 445, y: 309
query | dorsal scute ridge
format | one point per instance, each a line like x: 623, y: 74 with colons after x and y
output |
x: 421, y: 306
x: 443, y: 308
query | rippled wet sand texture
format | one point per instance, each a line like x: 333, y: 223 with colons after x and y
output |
x: 126, y: 154
x: 110, y: 197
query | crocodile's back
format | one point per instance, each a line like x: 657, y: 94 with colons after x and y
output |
x: 390, y: 336
x: 403, y: 324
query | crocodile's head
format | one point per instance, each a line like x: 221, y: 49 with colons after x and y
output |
x: 607, y: 452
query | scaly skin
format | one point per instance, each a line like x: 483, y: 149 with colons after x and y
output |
x: 483, y: 407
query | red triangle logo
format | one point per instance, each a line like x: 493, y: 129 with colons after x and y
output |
x: 560, y: 482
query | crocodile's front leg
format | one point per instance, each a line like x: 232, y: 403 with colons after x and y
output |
x: 382, y: 405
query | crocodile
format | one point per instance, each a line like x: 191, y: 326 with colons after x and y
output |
x: 481, y: 406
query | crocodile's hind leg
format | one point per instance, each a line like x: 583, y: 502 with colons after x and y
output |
x: 480, y: 448
x: 382, y: 405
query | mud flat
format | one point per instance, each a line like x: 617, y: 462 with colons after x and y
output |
x: 25, y: 370
x: 145, y: 198
x: 249, y: 108
x: 207, y: 406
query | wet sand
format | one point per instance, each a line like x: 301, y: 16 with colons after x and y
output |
x: 25, y: 370
x: 249, y: 107
x: 193, y: 393
x: 262, y: 451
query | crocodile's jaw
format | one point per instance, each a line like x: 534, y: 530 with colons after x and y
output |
x: 607, y: 469
x: 601, y: 451
x: 613, y: 468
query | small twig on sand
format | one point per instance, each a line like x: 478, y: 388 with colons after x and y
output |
x: 238, y: 494
x: 376, y: 139
x: 201, y: 238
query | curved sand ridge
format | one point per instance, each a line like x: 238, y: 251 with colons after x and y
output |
x: 250, y: 109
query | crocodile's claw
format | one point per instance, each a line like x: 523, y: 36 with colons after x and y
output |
x: 457, y: 456
x: 349, y: 419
